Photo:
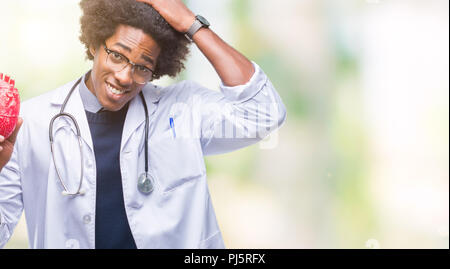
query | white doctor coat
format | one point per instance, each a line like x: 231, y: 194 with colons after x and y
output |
x: 179, y: 212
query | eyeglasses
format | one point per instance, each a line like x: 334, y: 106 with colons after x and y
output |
x: 118, y: 62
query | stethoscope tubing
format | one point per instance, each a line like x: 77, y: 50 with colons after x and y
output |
x: 65, y: 114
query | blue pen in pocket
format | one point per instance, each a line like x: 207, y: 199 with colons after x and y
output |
x: 172, y: 126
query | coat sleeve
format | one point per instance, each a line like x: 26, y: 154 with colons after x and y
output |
x: 11, y: 205
x: 238, y: 116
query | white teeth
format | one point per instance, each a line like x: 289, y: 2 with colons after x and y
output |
x: 114, y: 90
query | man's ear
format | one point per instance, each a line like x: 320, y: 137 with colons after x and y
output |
x: 92, y: 50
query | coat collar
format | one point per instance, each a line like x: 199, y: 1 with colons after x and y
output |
x: 135, y: 115
x: 151, y: 91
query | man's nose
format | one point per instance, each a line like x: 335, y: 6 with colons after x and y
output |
x: 125, y: 77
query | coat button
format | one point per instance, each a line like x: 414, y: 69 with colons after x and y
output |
x: 87, y: 219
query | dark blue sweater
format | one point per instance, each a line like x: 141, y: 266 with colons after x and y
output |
x: 111, y: 224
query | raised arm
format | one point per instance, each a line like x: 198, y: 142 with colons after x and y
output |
x: 232, y: 67
x: 248, y: 107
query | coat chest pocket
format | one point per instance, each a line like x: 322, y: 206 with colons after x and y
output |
x: 177, y: 161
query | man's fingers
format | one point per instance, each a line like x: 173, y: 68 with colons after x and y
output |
x: 13, y: 136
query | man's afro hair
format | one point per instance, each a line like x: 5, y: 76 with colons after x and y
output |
x: 101, y: 17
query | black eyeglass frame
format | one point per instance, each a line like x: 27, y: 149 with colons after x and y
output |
x: 133, y: 65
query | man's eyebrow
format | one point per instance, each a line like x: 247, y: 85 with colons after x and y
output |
x: 146, y: 58
x: 123, y: 46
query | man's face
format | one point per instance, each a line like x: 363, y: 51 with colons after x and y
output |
x: 114, y: 89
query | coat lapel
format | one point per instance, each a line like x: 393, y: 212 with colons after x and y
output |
x: 136, y: 112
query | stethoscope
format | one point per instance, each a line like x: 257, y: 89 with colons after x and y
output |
x: 145, y: 181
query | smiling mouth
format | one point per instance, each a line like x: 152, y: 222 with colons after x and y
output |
x: 114, y: 90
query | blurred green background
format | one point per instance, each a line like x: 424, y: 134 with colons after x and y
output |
x: 363, y: 158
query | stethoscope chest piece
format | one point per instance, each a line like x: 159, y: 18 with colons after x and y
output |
x: 145, y: 183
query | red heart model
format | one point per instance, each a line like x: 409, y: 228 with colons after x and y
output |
x: 9, y: 106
